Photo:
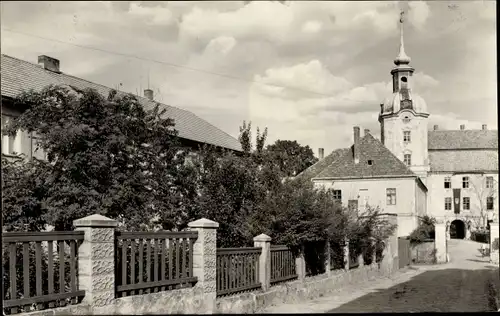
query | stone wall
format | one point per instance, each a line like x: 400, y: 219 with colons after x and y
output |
x: 299, y: 290
x: 423, y: 252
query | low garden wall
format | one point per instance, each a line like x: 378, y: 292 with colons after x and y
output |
x: 424, y: 252
x: 299, y: 290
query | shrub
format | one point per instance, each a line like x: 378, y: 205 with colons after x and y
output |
x: 480, y: 236
x: 424, y: 231
x: 495, y: 244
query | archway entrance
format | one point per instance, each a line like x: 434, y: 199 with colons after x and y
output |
x: 457, y: 229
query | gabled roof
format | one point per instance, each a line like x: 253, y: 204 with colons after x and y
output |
x: 18, y: 75
x: 384, y: 163
x: 463, y: 139
x: 320, y: 165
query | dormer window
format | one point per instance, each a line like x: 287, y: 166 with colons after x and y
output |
x: 370, y: 162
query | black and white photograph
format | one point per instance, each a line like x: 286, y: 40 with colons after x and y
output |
x: 249, y: 157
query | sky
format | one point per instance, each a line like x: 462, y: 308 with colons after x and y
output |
x: 308, y: 71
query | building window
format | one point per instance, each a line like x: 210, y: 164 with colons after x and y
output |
x: 489, y: 203
x: 466, y: 203
x: 352, y: 205
x: 465, y: 182
x: 36, y: 150
x: 391, y: 196
x: 447, y: 203
x: 406, y: 136
x: 337, y: 195
x: 407, y: 159
x: 489, y: 182
x: 447, y: 182
x: 370, y: 162
x: 7, y: 141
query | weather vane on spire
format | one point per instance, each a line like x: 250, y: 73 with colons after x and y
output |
x: 402, y: 57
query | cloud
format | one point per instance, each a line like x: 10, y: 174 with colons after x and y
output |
x: 264, y: 19
x: 221, y: 45
x: 312, y: 26
x: 154, y: 15
x: 309, y: 80
x: 423, y: 81
x: 418, y: 13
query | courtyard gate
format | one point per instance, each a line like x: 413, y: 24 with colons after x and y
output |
x: 404, y: 252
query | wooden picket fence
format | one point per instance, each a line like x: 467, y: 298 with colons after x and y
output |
x: 31, y: 257
x: 148, y: 262
x: 237, y: 270
x: 282, y: 264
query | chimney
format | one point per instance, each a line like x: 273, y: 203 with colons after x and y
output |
x: 436, y: 127
x: 462, y: 127
x: 484, y: 127
x: 356, y: 144
x: 367, y: 131
x: 321, y: 153
x: 49, y: 63
x: 148, y: 93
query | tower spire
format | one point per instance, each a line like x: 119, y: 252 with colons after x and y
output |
x: 402, y: 58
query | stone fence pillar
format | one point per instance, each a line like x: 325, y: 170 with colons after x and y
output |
x: 374, y: 253
x: 96, y: 261
x: 300, y: 264
x: 494, y: 235
x: 205, y: 260
x: 346, y: 255
x: 327, y: 252
x: 263, y: 241
x: 440, y: 242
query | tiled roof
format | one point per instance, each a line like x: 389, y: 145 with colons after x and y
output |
x: 463, y: 139
x: 319, y: 166
x: 463, y: 160
x: 18, y: 75
x: 384, y: 162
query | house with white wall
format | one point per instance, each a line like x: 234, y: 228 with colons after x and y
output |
x: 20, y: 75
x: 368, y: 174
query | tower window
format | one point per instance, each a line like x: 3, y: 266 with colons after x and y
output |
x: 403, y: 79
x: 407, y: 136
x: 407, y: 159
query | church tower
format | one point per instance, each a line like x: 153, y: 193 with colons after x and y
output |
x: 404, y: 118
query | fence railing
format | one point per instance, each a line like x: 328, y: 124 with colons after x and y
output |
x: 149, y: 262
x: 237, y: 270
x: 46, y: 273
x: 282, y: 264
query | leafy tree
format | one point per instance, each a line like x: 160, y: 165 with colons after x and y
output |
x: 291, y: 157
x: 106, y: 156
x: 425, y: 230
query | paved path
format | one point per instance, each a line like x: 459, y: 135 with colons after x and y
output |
x: 453, y: 287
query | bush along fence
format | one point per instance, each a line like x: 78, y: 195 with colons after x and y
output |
x: 98, y: 270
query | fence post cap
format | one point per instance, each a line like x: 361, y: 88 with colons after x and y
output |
x: 203, y: 223
x: 262, y: 237
x: 95, y: 220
